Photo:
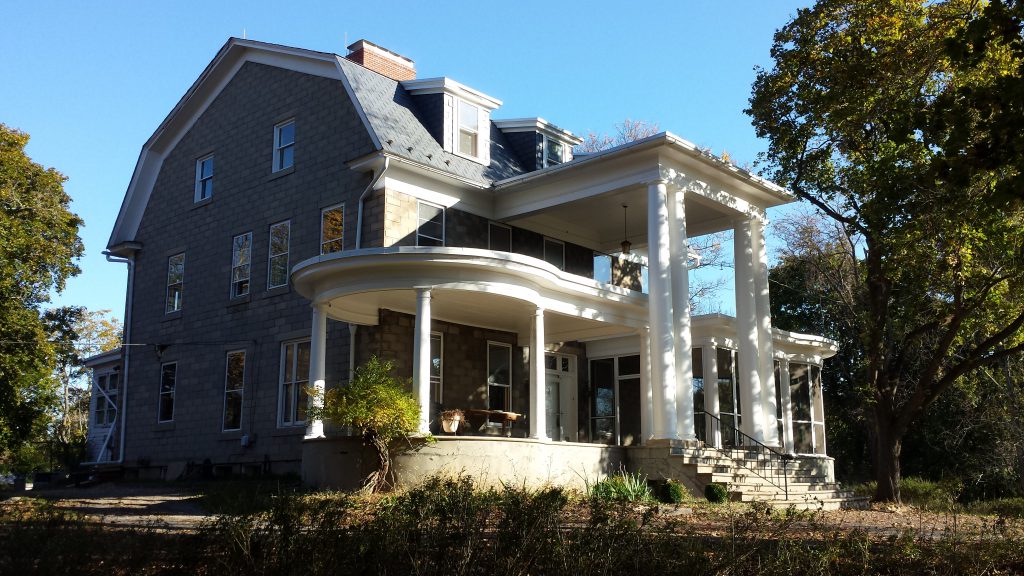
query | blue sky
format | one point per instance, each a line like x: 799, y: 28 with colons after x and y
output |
x: 90, y: 81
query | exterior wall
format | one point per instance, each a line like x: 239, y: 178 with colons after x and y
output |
x: 528, y: 147
x: 238, y: 128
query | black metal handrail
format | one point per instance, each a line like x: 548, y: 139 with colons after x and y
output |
x: 773, y: 462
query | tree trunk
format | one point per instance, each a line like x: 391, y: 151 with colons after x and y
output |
x: 887, y: 460
x: 377, y: 481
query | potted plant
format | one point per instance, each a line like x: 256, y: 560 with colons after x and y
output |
x: 450, y: 420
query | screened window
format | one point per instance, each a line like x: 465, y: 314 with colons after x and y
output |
x: 234, y: 384
x: 430, y: 231
x: 294, y: 382
x: 168, y: 381
x: 499, y: 237
x: 284, y: 145
x: 175, y: 282
x: 469, y: 129
x: 277, y: 273
x: 554, y: 253
x: 241, y: 264
x: 332, y: 229
x: 204, y: 178
x: 499, y: 376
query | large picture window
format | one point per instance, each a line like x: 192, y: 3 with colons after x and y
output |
x: 241, y: 264
x: 234, y: 387
x: 277, y: 266
x: 294, y: 382
x: 168, y: 382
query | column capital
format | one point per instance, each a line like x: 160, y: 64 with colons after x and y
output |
x: 661, y: 180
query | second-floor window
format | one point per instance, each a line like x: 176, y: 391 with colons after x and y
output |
x: 332, y: 229
x: 553, y: 152
x: 430, y: 227
x: 204, y: 178
x: 469, y: 129
x: 241, y: 268
x: 284, y: 145
x: 277, y: 272
x: 554, y: 253
x: 175, y: 282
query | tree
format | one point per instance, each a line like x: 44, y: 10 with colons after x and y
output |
x: 625, y: 132
x: 38, y: 245
x: 380, y: 407
x: 851, y: 112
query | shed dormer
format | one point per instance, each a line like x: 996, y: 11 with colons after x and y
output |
x: 538, y: 143
x: 458, y: 116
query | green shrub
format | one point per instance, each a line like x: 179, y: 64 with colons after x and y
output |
x: 716, y: 492
x: 1008, y: 507
x: 672, y: 492
x: 622, y: 487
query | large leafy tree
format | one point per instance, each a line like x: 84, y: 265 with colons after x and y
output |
x: 38, y: 245
x: 851, y: 110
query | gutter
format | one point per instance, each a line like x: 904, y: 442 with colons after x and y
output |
x: 378, y: 173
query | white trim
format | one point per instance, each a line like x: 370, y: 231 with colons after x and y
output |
x: 160, y: 392
x: 200, y: 180
x: 540, y: 125
x: 448, y: 86
x: 279, y: 147
x: 240, y: 390
x: 271, y: 255
x: 340, y: 239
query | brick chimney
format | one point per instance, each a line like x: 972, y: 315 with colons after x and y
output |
x: 381, y: 60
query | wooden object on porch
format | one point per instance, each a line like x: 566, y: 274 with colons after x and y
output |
x: 506, y: 418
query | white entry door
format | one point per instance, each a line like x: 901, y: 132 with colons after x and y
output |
x: 560, y: 397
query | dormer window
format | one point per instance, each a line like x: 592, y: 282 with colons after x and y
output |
x: 553, y: 152
x: 469, y: 129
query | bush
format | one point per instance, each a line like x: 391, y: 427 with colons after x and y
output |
x: 622, y: 487
x: 716, y: 493
x: 672, y: 492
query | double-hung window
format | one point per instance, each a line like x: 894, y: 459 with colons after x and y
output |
x: 430, y: 228
x: 277, y: 266
x: 168, y: 381
x: 469, y: 129
x: 499, y: 376
x: 284, y: 145
x: 332, y: 229
x: 234, y: 386
x: 204, y: 178
x: 553, y: 152
x: 241, y: 264
x: 294, y: 382
x: 106, y: 399
x: 175, y: 283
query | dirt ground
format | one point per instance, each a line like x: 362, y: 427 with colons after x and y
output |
x: 173, y: 507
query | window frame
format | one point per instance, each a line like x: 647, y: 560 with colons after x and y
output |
x: 161, y: 393
x: 507, y: 387
x: 295, y: 393
x: 437, y: 384
x: 420, y: 221
x: 280, y: 147
x: 180, y: 285
x: 202, y: 180
x: 546, y: 159
x: 271, y: 255
x: 103, y: 404
x: 490, y: 237
x: 340, y: 239
x: 240, y: 391
x: 476, y: 154
x: 547, y: 240
x: 237, y: 264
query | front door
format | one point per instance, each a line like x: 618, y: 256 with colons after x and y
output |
x: 560, y: 397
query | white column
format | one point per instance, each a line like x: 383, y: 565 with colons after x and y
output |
x: 421, y: 358
x: 646, y: 406
x: 538, y: 384
x: 787, y: 404
x: 317, y: 367
x: 680, y: 249
x: 659, y: 298
x: 765, y: 348
x: 711, y: 404
x: 748, y: 364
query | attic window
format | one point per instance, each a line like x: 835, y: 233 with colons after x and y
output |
x: 553, y: 152
x: 469, y: 129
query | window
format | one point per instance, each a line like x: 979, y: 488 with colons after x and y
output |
x: 553, y: 152
x: 294, y: 382
x: 554, y: 253
x: 168, y: 379
x: 106, y: 399
x: 204, y: 178
x: 469, y: 129
x: 332, y: 229
x: 436, y: 366
x: 499, y: 376
x: 234, y: 383
x: 277, y: 267
x: 175, y: 282
x: 284, y: 145
x: 241, y: 252
x: 499, y: 237
x: 430, y: 229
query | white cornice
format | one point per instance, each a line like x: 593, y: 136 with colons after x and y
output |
x: 444, y: 85
x: 538, y: 125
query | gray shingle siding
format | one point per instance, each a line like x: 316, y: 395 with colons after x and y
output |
x: 527, y: 146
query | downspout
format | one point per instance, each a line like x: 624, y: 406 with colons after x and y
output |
x: 362, y: 198
x: 126, y: 347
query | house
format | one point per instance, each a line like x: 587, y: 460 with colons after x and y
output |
x: 298, y: 212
